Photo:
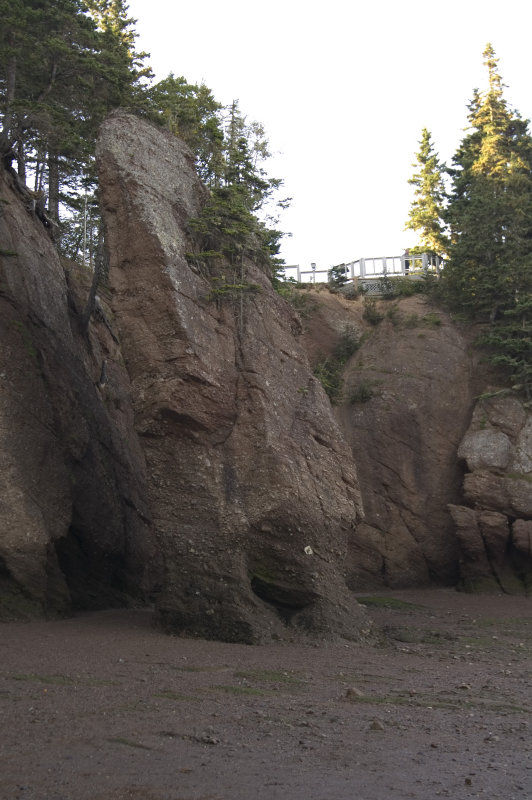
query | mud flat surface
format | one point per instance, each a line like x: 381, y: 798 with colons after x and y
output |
x: 437, y: 704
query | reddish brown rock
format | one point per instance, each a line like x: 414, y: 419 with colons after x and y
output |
x: 74, y: 524
x: 497, y: 449
x: 522, y: 537
x: 253, y: 491
x: 495, y: 531
x: 404, y: 431
x: 486, y: 490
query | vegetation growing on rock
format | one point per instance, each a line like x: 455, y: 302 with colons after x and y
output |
x: 488, y: 219
x: 63, y: 68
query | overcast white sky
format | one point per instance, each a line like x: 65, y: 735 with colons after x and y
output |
x: 343, y: 90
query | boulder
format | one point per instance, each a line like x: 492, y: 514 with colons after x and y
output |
x: 485, y: 449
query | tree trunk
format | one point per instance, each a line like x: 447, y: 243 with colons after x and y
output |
x: 53, y: 186
x: 10, y: 94
x: 21, y: 161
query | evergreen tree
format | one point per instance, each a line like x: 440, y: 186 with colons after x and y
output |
x: 245, y: 151
x: 490, y: 209
x: 61, y: 70
x: 489, y: 272
x: 426, y: 212
x: 191, y: 112
x: 64, y: 64
x: 122, y: 76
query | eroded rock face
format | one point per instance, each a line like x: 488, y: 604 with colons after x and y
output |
x: 406, y: 438
x: 253, y: 491
x: 74, y: 529
x: 406, y: 404
x: 496, y: 524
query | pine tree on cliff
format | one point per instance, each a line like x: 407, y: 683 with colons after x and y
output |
x: 191, y: 112
x: 489, y: 272
x: 230, y: 226
x: 122, y: 73
x: 427, y: 209
x: 60, y: 73
x: 490, y: 209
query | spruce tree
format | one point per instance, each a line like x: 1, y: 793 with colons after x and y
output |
x: 489, y: 271
x: 490, y: 209
x: 191, y: 112
x: 427, y: 209
x: 61, y: 70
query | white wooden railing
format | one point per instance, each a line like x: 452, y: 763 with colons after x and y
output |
x: 369, y: 268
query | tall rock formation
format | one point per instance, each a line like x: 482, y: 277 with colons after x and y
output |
x: 418, y: 369
x: 407, y: 401
x: 253, y: 490
x: 74, y: 529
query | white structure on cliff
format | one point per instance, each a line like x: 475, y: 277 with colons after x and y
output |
x: 366, y: 270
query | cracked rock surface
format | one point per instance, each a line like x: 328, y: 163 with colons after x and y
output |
x: 404, y: 431
x: 252, y: 488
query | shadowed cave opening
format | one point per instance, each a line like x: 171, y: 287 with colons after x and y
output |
x: 96, y: 579
x: 286, y: 600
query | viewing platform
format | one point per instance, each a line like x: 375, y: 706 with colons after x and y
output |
x: 367, y: 272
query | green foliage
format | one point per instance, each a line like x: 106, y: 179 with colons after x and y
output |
x: 394, y: 315
x: 432, y: 320
x: 329, y: 370
x: 61, y: 70
x: 379, y: 601
x: 371, y: 313
x: 229, y: 291
x: 386, y: 287
x: 191, y: 112
x: 362, y: 392
x: 329, y: 373
x: 227, y: 231
x: 411, y: 321
x: 405, y: 287
x: 489, y: 272
x: 391, y: 288
x: 301, y: 301
x: 348, y: 344
x: 510, y: 344
x: 229, y: 224
x: 80, y: 230
x: 337, y: 276
x: 426, y: 212
x: 63, y: 67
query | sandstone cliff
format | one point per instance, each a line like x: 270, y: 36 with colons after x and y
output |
x: 407, y: 401
x: 208, y: 472
x: 74, y: 520
x: 252, y: 488
x: 409, y: 410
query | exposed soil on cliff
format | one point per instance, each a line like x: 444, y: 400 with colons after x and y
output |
x: 104, y: 707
